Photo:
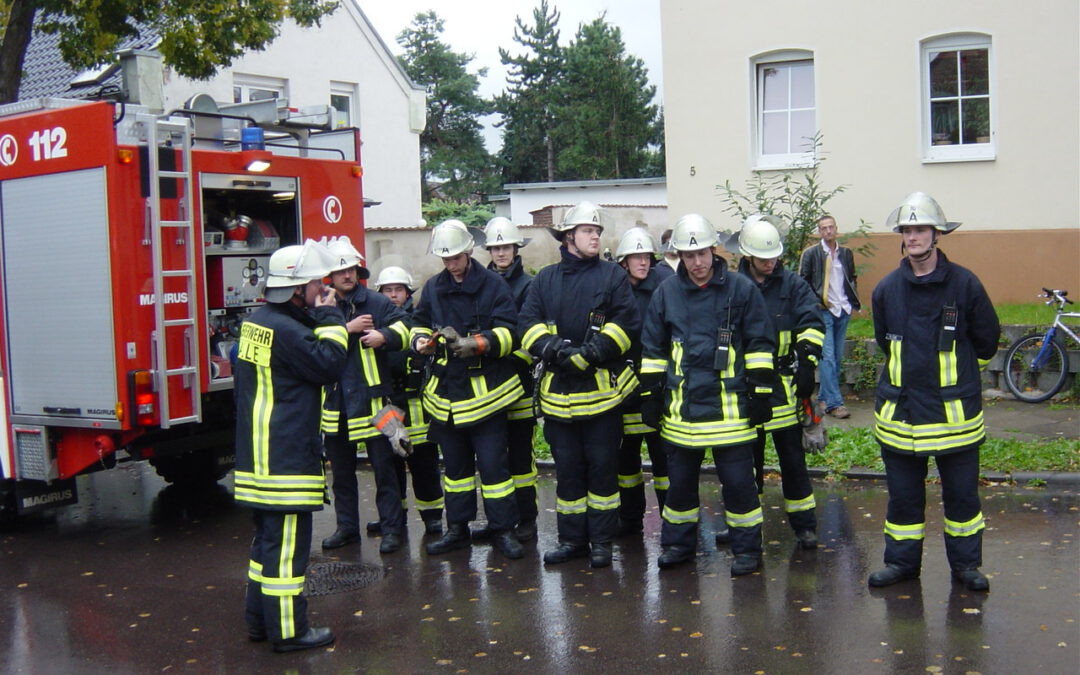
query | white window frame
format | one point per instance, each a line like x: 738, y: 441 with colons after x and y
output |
x: 349, y: 91
x: 246, y: 83
x: 970, y: 152
x: 793, y: 160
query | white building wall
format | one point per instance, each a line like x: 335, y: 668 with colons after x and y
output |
x: 523, y: 201
x: 345, y: 49
x: 868, y: 91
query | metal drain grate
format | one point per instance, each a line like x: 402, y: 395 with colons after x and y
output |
x: 327, y: 578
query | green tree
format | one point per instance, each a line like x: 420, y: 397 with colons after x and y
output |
x: 197, y: 38
x: 473, y: 214
x: 607, y: 121
x: 528, y: 103
x: 452, y: 154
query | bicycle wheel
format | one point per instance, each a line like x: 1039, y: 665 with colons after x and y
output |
x: 1027, y: 382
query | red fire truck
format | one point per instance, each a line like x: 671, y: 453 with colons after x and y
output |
x: 132, y: 246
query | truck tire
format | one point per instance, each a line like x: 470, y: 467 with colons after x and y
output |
x: 193, y: 469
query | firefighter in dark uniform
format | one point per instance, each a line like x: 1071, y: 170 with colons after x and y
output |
x: 503, y: 240
x: 376, y: 327
x: 708, y: 347
x: 285, y: 356
x: 800, y: 333
x: 636, y: 254
x: 938, y: 329
x: 406, y: 373
x: 465, y: 321
x: 580, y: 319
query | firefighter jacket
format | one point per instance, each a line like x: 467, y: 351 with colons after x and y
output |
x: 708, y: 347
x: 812, y: 268
x: 365, y: 382
x: 643, y: 293
x: 937, y: 332
x: 467, y: 391
x: 406, y: 377
x: 519, y: 281
x: 797, y: 320
x: 582, y: 302
x: 285, y: 357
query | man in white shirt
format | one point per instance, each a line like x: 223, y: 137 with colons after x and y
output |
x: 830, y: 270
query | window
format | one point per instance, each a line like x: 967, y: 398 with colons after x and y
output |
x: 785, y: 110
x: 957, y: 98
x: 257, y: 88
x: 342, y: 97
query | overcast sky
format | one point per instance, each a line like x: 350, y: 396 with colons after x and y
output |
x: 480, y: 27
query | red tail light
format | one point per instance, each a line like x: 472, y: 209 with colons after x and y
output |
x: 142, y: 397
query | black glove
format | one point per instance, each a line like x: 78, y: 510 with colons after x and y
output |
x: 759, y: 408
x: 652, y: 409
x: 804, y: 380
x: 555, y: 351
x: 566, y: 360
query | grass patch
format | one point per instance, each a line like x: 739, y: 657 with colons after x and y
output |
x: 1034, y: 314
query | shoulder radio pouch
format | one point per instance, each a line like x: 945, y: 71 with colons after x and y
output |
x: 947, y: 334
x: 723, y: 344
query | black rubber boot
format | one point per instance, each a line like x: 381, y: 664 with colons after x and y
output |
x: 673, y: 556
x: 600, y: 555
x: 526, y: 531
x: 891, y: 574
x: 340, y: 538
x: 807, y: 539
x: 508, y: 544
x: 973, y: 580
x: 314, y: 637
x: 566, y: 551
x: 745, y: 563
x: 457, y: 536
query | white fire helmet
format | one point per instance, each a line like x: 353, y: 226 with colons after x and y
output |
x: 450, y: 238
x: 395, y: 275
x: 760, y: 236
x: 499, y: 231
x: 636, y: 240
x: 919, y: 208
x: 346, y: 255
x: 296, y: 265
x: 585, y: 213
x: 693, y: 232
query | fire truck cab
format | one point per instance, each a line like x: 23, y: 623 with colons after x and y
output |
x: 132, y: 246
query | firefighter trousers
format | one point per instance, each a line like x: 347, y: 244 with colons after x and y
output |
x: 905, y: 522
x: 465, y: 449
x: 682, y: 510
x: 632, y: 482
x: 523, y: 467
x: 426, y: 481
x: 278, y: 560
x: 586, y: 457
x: 794, y: 478
x: 388, y: 494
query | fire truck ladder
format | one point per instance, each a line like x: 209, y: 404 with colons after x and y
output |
x: 169, y: 135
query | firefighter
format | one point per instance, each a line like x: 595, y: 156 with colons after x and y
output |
x: 376, y: 328
x: 406, y: 368
x: 800, y: 333
x: 938, y: 330
x: 580, y: 319
x: 286, y: 354
x: 636, y: 254
x: 503, y: 241
x: 465, y: 322
x: 708, y: 347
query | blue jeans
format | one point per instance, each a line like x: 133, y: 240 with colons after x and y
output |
x: 832, y: 356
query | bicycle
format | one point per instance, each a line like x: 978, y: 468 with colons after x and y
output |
x: 1036, y: 366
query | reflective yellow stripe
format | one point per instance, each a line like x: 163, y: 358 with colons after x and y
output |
x: 601, y: 503
x: 758, y: 360
x: 947, y: 367
x: 796, y: 505
x: 749, y: 519
x: 973, y: 526
x: 923, y: 438
x: 336, y: 334
x: 616, y: 333
x: 328, y: 421
x: 681, y: 517
x: 579, y: 362
x: 629, y: 480
x: 474, y: 409
x: 894, y: 362
x: 535, y: 332
x: 520, y: 409
x: 505, y: 338
x: 459, y: 485
x: 428, y: 506
x: 570, y: 507
x: 402, y: 331
x: 707, y: 434
x: 633, y: 426
x: 419, y: 331
x: 653, y: 366
x: 811, y: 335
x: 783, y: 343
x: 368, y: 365
x: 588, y: 403
x: 261, y: 411
x: 954, y: 411
x: 676, y: 356
x: 900, y: 532
x: 498, y: 490
x: 524, y: 480
x: 254, y: 570
x: 661, y: 482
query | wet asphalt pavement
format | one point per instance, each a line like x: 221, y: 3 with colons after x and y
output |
x: 139, y: 578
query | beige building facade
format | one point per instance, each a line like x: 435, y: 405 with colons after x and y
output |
x: 973, y: 102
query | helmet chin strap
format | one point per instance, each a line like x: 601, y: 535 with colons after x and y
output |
x: 926, y: 254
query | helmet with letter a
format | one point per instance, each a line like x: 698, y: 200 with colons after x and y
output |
x: 693, y: 232
x: 296, y: 265
x: 584, y: 213
x: 499, y: 231
x: 451, y: 238
x: 346, y: 255
x: 395, y: 275
x: 919, y: 208
x: 636, y: 240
